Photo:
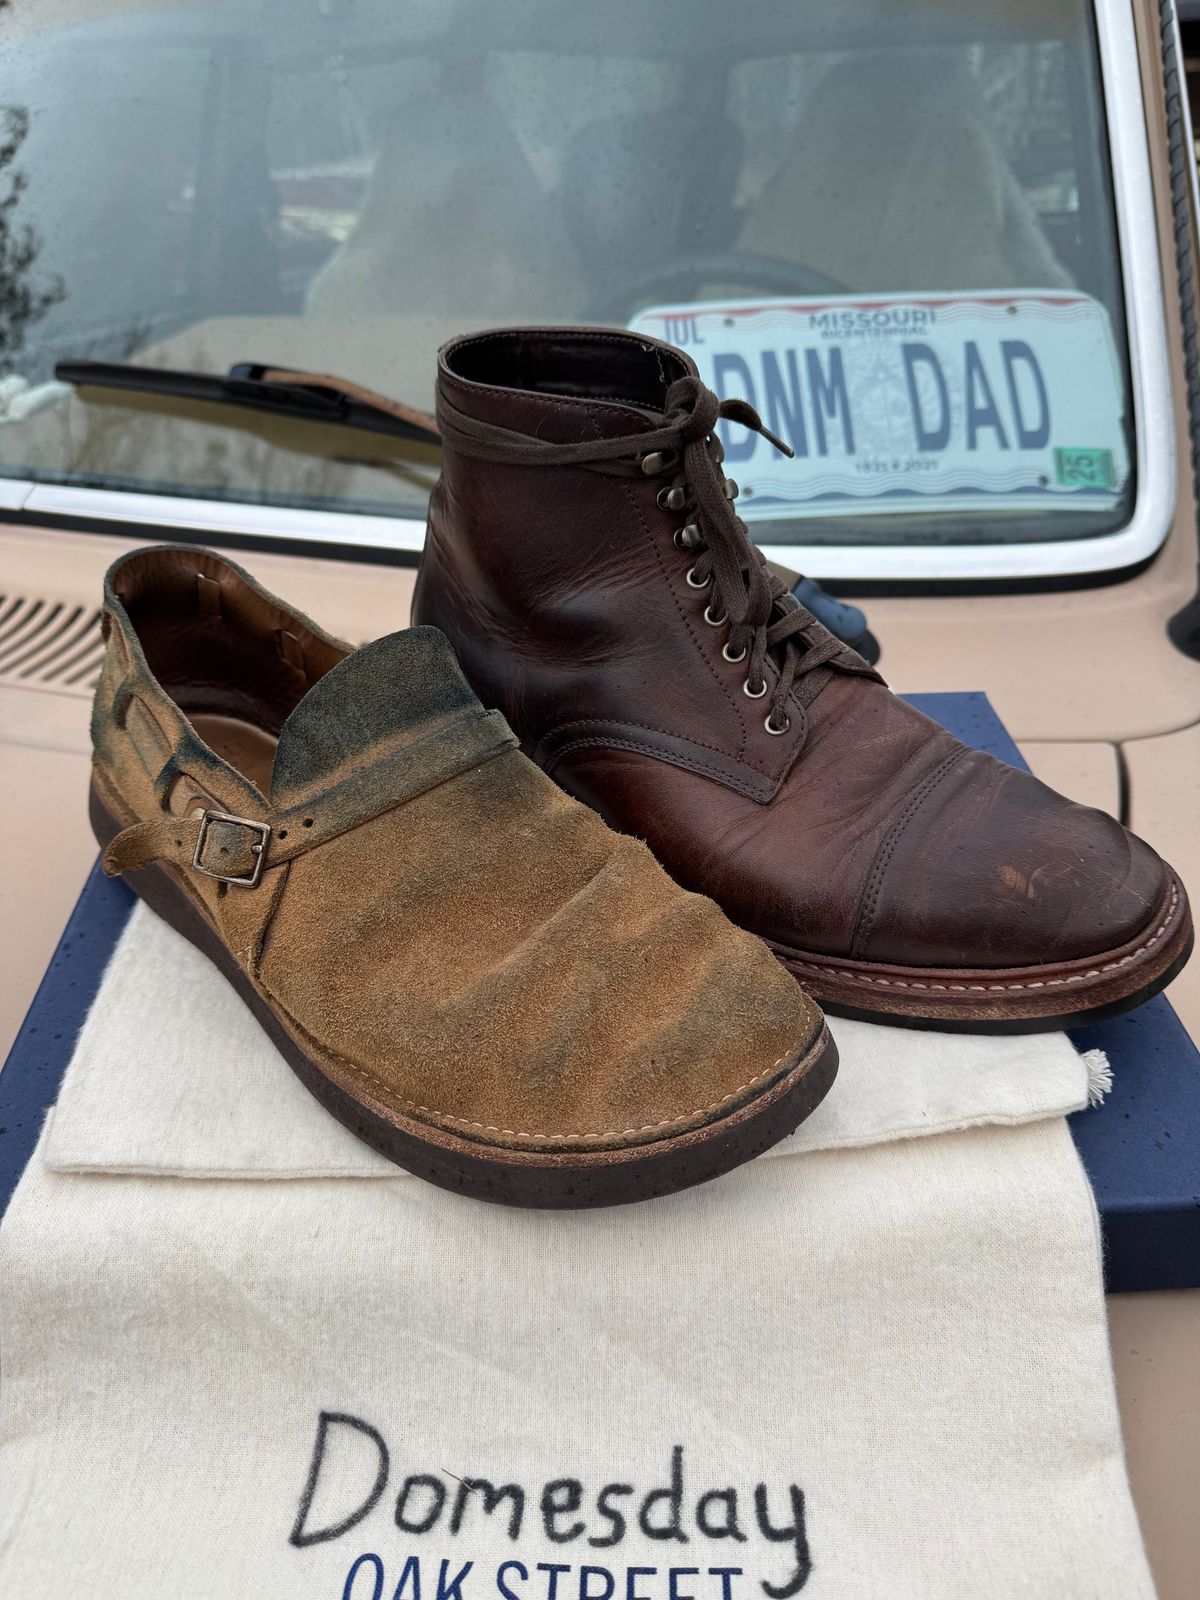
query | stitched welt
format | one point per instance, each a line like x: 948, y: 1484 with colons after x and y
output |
x: 742, y: 1540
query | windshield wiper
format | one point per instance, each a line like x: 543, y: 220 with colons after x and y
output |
x: 284, y: 391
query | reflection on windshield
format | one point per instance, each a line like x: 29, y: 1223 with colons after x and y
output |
x: 343, y: 188
x: 453, y: 221
x: 26, y: 293
x: 937, y: 199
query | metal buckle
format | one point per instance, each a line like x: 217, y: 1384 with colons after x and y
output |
x: 258, y: 851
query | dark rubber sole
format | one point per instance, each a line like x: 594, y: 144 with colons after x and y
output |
x: 536, y: 1179
x: 1018, y: 1000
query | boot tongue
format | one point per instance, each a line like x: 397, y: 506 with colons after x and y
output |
x: 376, y: 701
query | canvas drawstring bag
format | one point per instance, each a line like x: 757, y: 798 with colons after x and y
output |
x: 243, y: 1355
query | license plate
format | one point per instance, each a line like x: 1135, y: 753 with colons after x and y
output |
x: 967, y: 402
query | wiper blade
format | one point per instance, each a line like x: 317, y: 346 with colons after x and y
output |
x: 284, y: 391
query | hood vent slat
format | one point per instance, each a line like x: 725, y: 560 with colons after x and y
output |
x: 46, y: 644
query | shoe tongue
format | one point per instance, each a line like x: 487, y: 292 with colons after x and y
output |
x: 377, y: 700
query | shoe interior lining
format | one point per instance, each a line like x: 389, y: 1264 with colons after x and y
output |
x: 247, y: 748
x: 619, y: 367
x: 234, y: 663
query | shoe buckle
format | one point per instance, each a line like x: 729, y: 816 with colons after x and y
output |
x: 261, y: 831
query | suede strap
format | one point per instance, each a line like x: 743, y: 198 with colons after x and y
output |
x: 233, y: 848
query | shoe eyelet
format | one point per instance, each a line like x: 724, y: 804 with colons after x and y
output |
x: 694, y: 583
x: 653, y: 462
x: 671, y: 499
x: 731, y: 658
x: 687, y: 537
x: 769, y: 724
x: 714, y: 622
x: 731, y: 489
x: 754, y: 694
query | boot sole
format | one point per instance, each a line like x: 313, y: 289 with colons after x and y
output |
x: 1040, y: 999
x: 535, y: 1179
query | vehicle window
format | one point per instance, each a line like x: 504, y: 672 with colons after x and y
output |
x: 891, y: 226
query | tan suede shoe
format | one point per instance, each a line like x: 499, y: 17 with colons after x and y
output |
x: 465, y: 966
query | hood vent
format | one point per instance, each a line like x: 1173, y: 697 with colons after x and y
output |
x: 49, y: 644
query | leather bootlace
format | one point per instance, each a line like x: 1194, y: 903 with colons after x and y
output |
x: 763, y: 616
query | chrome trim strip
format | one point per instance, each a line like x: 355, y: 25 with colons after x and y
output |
x: 224, y: 516
x: 13, y: 493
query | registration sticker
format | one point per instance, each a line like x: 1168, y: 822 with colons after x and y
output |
x: 960, y: 402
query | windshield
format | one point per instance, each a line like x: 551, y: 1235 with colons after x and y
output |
x: 890, y: 226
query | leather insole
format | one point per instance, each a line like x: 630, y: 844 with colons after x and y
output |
x: 244, y: 746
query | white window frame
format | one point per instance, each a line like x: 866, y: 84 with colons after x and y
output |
x: 1154, y: 429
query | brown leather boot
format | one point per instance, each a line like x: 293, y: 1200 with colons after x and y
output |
x: 585, y: 560
x: 466, y: 968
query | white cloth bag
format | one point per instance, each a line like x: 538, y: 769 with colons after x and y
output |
x: 872, y: 1365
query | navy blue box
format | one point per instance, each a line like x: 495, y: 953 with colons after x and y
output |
x: 1141, y: 1148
